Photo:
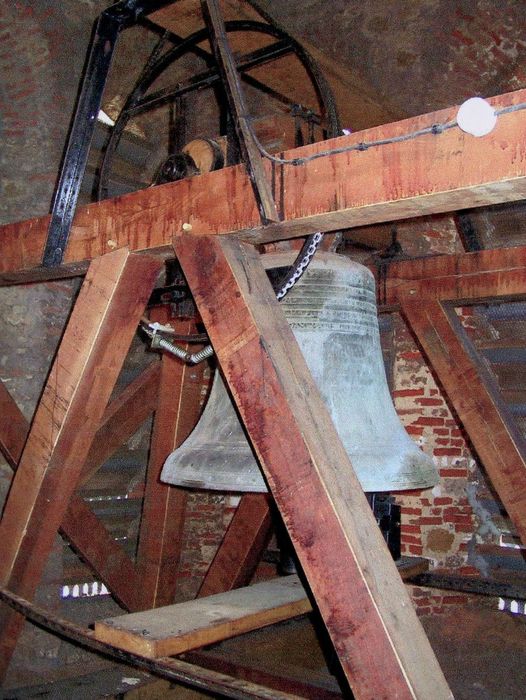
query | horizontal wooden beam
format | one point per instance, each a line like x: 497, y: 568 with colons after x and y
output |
x: 174, y: 629
x: 486, y: 274
x: 425, y: 175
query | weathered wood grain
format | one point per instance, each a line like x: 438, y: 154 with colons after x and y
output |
x: 164, y: 507
x: 426, y: 175
x: 486, y: 274
x: 243, y: 544
x: 368, y: 613
x: 80, y: 382
x: 175, y: 629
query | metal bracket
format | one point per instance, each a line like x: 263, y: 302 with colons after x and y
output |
x: 106, y: 32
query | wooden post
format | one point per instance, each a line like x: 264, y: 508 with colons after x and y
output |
x: 86, y: 366
x: 359, y: 593
x: 242, y: 546
x: 164, y: 507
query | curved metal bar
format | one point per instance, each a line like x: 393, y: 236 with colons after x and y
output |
x: 152, y: 72
x: 173, y: 669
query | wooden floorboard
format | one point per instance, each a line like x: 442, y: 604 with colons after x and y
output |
x: 175, y: 629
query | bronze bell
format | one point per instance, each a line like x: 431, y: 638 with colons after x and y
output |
x: 332, y: 312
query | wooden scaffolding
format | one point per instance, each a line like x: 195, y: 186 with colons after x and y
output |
x: 211, y: 223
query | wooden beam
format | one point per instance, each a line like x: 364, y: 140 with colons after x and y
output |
x: 122, y: 418
x: 496, y: 273
x: 226, y: 65
x: 426, y: 175
x: 81, y: 528
x: 368, y: 612
x: 80, y: 382
x: 175, y: 629
x: 164, y: 507
x: 240, y: 551
x: 498, y: 446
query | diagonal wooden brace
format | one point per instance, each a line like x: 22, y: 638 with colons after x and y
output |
x: 80, y: 526
x: 501, y: 449
x: 86, y: 366
x: 359, y: 593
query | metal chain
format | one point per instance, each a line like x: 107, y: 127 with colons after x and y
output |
x: 300, y: 265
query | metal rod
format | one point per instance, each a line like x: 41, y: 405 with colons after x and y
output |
x: 210, y: 77
x: 464, y: 584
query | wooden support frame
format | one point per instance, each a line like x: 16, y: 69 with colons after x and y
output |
x: 427, y: 292
x: 243, y: 544
x: 164, y: 507
x: 415, y: 177
x: 369, y: 613
x: 96, y: 340
x: 80, y: 527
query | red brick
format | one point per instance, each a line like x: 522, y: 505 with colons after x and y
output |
x: 415, y: 549
x: 453, y: 472
x: 409, y: 528
x: 426, y: 420
x: 411, y: 511
x: 443, y: 501
x: 447, y: 452
x: 453, y: 599
x: 429, y: 402
x: 410, y: 355
x: 411, y: 540
x: 408, y: 392
x: 428, y: 520
x: 466, y: 519
x: 458, y: 510
x: 440, y: 431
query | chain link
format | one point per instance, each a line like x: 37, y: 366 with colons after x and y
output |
x: 300, y: 266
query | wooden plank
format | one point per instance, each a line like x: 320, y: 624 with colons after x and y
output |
x: 368, y: 613
x: 80, y: 382
x: 164, y: 507
x: 82, y: 529
x: 482, y: 275
x: 499, y: 448
x: 175, y: 629
x: 243, y: 544
x: 426, y: 175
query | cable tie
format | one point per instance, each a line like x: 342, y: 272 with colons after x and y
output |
x: 437, y: 129
x: 362, y: 146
